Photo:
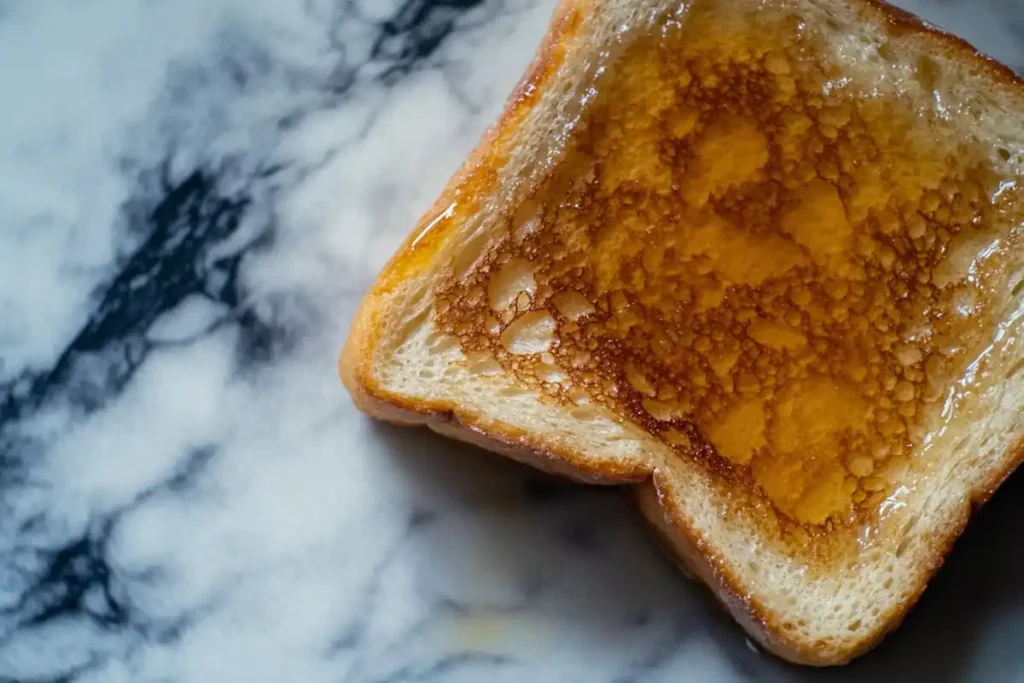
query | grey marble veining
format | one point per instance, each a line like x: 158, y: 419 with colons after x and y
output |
x: 193, y: 196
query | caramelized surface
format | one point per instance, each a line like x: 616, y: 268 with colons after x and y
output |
x: 755, y: 260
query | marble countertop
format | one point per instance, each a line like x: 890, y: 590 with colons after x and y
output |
x: 193, y: 196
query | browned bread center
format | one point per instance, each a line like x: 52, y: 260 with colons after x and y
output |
x: 782, y: 275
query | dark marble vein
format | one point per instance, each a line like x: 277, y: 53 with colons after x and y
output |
x: 170, y: 265
x: 76, y: 579
x: 187, y: 240
x: 191, y: 218
x: 415, y: 33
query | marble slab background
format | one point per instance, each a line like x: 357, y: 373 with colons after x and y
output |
x: 193, y: 196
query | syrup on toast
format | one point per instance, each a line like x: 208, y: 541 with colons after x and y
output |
x: 761, y: 259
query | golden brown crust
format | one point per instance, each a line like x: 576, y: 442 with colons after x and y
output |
x: 693, y: 552
x: 904, y: 21
x: 759, y: 620
x: 357, y: 356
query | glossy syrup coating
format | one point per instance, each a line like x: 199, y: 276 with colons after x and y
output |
x: 773, y: 272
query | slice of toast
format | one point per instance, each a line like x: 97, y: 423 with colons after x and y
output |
x: 761, y: 259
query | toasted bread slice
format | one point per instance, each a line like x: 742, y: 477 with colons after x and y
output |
x: 760, y: 259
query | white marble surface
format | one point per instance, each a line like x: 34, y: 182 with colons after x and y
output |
x: 193, y: 196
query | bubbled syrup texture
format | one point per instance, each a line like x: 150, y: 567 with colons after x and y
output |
x: 740, y: 252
